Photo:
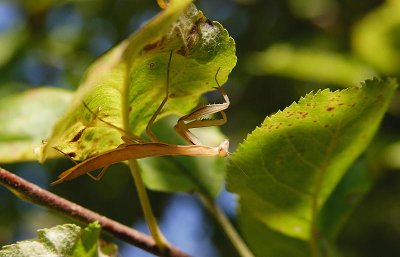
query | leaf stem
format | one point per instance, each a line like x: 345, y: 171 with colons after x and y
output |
x: 151, y: 220
x: 227, y: 226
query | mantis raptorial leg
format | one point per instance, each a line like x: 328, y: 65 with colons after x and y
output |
x: 195, y: 118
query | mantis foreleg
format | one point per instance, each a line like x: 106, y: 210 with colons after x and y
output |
x: 196, y: 119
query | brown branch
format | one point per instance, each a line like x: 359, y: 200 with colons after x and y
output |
x: 32, y: 193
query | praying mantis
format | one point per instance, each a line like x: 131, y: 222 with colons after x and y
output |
x: 195, y: 119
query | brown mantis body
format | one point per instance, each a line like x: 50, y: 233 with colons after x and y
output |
x: 153, y: 149
x: 138, y: 151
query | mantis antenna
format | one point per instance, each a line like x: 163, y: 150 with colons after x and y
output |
x: 195, y: 119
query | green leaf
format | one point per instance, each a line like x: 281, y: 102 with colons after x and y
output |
x: 286, y: 169
x: 27, y: 119
x: 11, y: 40
x: 309, y: 65
x: 63, y: 240
x: 354, y: 185
x: 390, y: 156
x: 128, y: 83
x: 266, y: 242
x: 88, y: 243
x: 183, y: 173
x: 380, y: 30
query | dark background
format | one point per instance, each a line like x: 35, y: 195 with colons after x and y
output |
x: 52, y: 43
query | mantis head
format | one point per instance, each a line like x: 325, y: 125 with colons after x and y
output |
x: 223, y: 148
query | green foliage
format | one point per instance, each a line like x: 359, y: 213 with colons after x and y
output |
x: 347, y: 195
x: 125, y: 87
x: 305, y: 64
x: 63, y: 240
x: 295, y: 175
x: 27, y: 120
x: 376, y: 38
x: 375, y: 50
x: 11, y: 41
x: 286, y: 169
x: 267, y: 242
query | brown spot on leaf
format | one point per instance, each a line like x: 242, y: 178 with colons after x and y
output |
x: 77, y: 136
x: 289, y: 114
x: 194, y: 30
x: 330, y: 108
x: 71, y: 154
x: 150, y: 46
x: 303, y: 114
x: 182, y: 51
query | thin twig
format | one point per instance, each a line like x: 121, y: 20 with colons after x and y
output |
x: 228, y: 228
x: 32, y: 193
x: 151, y: 220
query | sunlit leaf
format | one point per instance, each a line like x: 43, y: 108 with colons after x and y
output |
x: 27, y: 119
x: 375, y: 38
x: 63, y: 240
x: 126, y: 85
x: 286, y: 169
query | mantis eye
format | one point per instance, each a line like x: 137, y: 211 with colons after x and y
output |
x: 223, y: 148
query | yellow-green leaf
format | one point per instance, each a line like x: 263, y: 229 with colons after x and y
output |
x: 126, y: 85
x: 27, y: 119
